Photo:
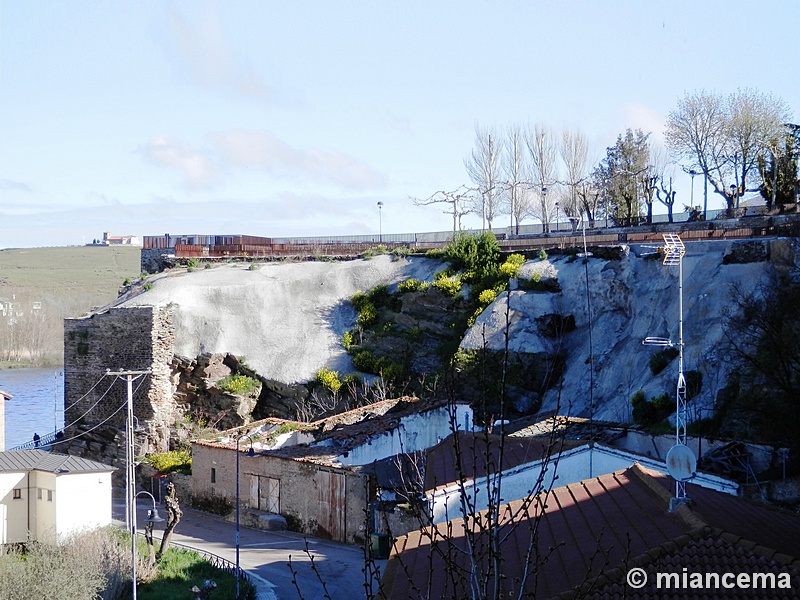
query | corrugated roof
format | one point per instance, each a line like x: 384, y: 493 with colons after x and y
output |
x: 601, y: 526
x: 39, y: 460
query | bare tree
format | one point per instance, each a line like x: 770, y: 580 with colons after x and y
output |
x: 174, y: 514
x: 542, y: 147
x: 461, y: 201
x: 516, y: 186
x: 575, y: 154
x: 725, y: 136
x: 483, y: 167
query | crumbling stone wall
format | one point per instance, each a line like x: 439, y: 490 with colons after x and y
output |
x: 132, y: 339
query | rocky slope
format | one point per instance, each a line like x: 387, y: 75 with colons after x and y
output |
x: 287, y: 319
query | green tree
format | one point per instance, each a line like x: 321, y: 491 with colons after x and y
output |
x: 624, y: 176
x: 778, y: 168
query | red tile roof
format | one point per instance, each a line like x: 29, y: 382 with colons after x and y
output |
x: 598, y: 527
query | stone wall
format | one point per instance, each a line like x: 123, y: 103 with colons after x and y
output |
x: 119, y: 339
x: 303, y: 489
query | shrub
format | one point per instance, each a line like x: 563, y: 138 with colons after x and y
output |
x: 411, y: 285
x: 542, y: 254
x: 660, y: 360
x: 364, y: 361
x: 694, y: 383
x: 192, y: 264
x: 147, y: 286
x: 477, y: 253
x: 367, y: 315
x: 241, y: 385
x: 450, y: 286
x: 348, y: 340
x: 127, y: 281
x: 352, y: 379
x: 217, y: 505
x: 435, y: 253
x: 486, y: 297
x: 329, y: 379
x: 173, y: 461
x: 511, y: 267
x: 401, y: 251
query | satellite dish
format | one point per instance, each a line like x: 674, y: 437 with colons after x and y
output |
x: 681, y: 463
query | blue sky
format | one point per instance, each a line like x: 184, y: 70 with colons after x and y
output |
x: 296, y: 118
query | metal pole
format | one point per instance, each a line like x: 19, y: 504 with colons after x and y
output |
x: 237, y: 518
x: 131, y: 483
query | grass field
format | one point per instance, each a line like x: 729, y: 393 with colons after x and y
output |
x: 96, y: 271
x: 61, y: 282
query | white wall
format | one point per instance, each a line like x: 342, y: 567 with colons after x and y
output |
x: 571, y: 466
x: 14, y: 513
x: 83, y: 502
x: 414, y: 433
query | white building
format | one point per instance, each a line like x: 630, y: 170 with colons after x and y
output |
x: 46, y: 496
x: 544, y: 467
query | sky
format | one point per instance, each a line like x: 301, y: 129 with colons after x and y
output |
x: 288, y: 118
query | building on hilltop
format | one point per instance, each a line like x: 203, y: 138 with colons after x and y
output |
x: 120, y: 240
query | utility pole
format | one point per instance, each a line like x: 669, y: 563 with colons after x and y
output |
x: 130, y: 478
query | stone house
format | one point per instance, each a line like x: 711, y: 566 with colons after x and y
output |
x: 318, y: 475
x: 47, y: 496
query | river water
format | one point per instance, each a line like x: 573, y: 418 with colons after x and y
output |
x: 38, y: 403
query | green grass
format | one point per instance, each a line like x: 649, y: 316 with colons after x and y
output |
x: 72, y: 270
x: 179, y: 570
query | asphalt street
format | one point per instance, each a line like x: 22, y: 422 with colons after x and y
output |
x: 336, y: 571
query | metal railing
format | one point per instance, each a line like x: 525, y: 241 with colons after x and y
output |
x: 42, y: 442
x: 223, y: 564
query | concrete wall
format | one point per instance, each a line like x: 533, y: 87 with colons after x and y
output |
x: 83, y: 502
x: 303, y: 489
x: 133, y: 338
x: 13, y: 512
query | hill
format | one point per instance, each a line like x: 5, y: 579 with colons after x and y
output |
x: 288, y: 320
x: 39, y: 287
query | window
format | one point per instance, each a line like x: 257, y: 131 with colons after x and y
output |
x: 39, y: 493
x: 17, y: 494
x: 213, y: 475
x: 49, y: 495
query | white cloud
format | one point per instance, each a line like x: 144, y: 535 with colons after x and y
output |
x: 198, y: 170
x: 263, y: 150
x: 639, y: 116
x: 9, y: 185
x: 206, y: 52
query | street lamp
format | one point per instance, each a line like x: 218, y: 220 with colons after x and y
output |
x: 544, y: 205
x: 380, y: 222
x: 250, y: 452
x: 556, y: 216
x: 692, y: 173
x: 152, y: 517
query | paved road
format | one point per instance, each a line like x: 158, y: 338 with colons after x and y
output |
x: 266, y: 556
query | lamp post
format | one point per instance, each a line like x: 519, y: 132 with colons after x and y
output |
x: 544, y: 206
x: 557, y: 216
x: 380, y: 222
x: 692, y: 173
x: 152, y: 517
x: 250, y: 452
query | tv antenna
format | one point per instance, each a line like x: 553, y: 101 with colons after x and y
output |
x: 681, y: 461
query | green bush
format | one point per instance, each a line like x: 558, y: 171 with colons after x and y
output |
x: 147, y: 286
x: 510, y: 268
x: 450, y: 286
x: 401, y: 251
x: 367, y: 315
x: 694, y: 383
x: 650, y: 414
x: 479, y: 254
x: 542, y: 254
x: 241, y: 385
x: 660, y: 360
x: 364, y: 361
x: 192, y: 264
x: 352, y: 379
x: 173, y: 461
x: 486, y: 297
x: 348, y: 340
x: 329, y: 379
x: 411, y: 285
x: 435, y: 253
x: 127, y: 281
